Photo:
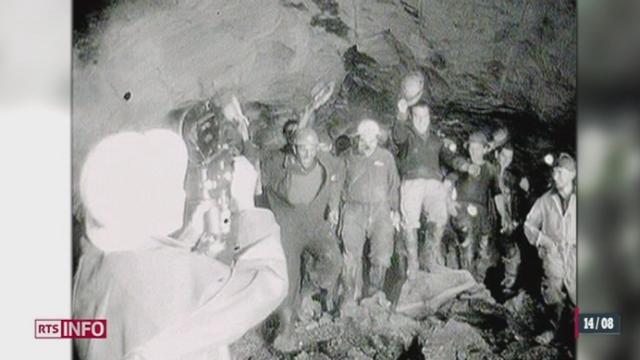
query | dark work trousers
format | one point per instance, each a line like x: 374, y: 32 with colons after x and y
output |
x: 303, y: 230
x: 359, y: 222
x: 475, y: 230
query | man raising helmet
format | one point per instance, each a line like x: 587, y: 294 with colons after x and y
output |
x: 302, y: 189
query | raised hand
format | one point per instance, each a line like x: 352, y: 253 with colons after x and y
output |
x: 395, y: 220
x: 334, y: 217
x: 403, y: 110
x: 474, y: 170
x: 321, y: 93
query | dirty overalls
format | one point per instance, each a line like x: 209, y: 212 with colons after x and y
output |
x: 370, y: 193
x: 304, y: 227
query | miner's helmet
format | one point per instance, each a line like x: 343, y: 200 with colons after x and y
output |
x: 565, y: 161
x: 306, y: 136
x: 368, y: 129
x: 478, y: 137
x: 412, y: 87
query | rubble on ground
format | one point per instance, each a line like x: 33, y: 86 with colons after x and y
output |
x: 469, y: 342
x: 475, y: 328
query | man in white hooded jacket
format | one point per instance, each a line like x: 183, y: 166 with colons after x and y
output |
x: 160, y: 300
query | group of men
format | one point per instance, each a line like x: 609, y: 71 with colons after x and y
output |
x: 333, y: 206
x: 164, y: 300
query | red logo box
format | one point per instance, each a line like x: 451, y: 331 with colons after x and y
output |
x: 70, y: 329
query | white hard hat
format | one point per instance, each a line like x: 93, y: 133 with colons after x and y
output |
x: 368, y: 129
x: 412, y: 87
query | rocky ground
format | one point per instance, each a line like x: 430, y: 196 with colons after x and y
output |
x: 462, y: 329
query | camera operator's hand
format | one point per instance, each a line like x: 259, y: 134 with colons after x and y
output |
x: 196, y: 222
x: 194, y: 226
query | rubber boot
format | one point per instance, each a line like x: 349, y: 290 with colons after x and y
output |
x: 411, y: 242
x: 554, y: 312
x: 483, y: 261
x: 285, y: 340
x: 433, y: 259
x: 352, y: 280
x: 329, y: 297
x: 376, y: 279
x: 467, y: 254
x: 511, y: 262
x: 376, y: 288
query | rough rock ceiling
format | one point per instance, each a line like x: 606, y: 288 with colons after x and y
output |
x: 148, y: 58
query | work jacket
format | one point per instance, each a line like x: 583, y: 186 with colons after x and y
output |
x: 276, y: 178
x: 480, y: 189
x: 547, y: 219
x: 166, y: 302
x: 370, y: 179
x: 418, y: 155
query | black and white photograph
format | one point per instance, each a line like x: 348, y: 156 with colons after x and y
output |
x: 324, y: 179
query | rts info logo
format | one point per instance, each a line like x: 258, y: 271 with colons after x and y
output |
x: 70, y: 329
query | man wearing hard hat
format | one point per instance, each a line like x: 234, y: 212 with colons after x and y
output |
x: 476, y: 186
x: 423, y: 189
x: 303, y: 192
x: 411, y: 92
x: 551, y: 228
x: 370, y: 210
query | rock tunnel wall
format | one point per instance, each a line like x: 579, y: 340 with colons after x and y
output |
x: 513, y: 62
